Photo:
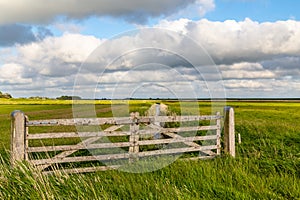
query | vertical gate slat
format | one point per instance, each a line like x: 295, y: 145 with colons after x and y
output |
x: 134, y: 136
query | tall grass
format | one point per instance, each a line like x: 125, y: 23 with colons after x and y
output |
x: 267, y: 164
x: 222, y: 178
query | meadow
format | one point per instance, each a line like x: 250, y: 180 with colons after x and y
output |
x: 267, y: 165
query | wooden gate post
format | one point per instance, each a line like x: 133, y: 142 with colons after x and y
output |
x: 18, y: 132
x: 229, y: 132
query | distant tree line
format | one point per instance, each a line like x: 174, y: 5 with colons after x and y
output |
x: 64, y: 97
x: 38, y: 98
x: 5, y: 95
x: 69, y: 98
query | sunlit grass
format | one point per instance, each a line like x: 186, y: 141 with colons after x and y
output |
x: 267, y: 165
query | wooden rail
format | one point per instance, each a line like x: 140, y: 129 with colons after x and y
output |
x: 135, y: 139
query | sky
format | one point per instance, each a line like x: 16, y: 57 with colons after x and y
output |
x: 150, y: 49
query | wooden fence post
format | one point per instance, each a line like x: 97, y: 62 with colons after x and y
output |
x: 18, y: 132
x: 229, y: 132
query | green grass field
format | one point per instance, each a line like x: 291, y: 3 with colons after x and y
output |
x: 267, y: 165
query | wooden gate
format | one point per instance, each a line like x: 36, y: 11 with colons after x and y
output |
x: 55, y: 143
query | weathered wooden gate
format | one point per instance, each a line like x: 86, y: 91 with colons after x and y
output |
x: 124, y: 139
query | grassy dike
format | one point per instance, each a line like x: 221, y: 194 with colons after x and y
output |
x: 267, y: 164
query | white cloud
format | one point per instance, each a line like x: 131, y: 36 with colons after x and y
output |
x: 179, y: 26
x: 246, y: 71
x: 57, y: 56
x: 68, y: 47
x: 245, y: 84
x: 12, y: 74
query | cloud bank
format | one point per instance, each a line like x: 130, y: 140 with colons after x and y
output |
x: 231, y: 41
x: 137, y: 11
x: 17, y: 18
x: 254, y: 59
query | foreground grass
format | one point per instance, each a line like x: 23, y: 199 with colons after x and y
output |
x: 267, y: 164
x: 222, y: 178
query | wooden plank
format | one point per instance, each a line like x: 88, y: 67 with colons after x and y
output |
x: 178, y: 140
x: 192, y: 144
x: 187, y: 129
x: 130, y: 144
x: 120, y: 156
x: 76, y: 135
x: 106, y: 133
x: 50, y: 161
x: 157, y: 129
x: 80, y: 122
x: 182, y: 129
x: 40, y: 136
x: 79, y: 146
x: 113, y: 128
x: 156, y: 119
x: 173, y: 135
x: 118, y: 120
x: 176, y: 150
x: 83, y: 169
